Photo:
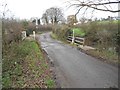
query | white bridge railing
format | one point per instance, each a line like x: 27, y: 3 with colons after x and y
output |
x: 77, y: 40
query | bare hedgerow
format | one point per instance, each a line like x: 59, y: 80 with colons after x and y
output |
x: 11, y: 32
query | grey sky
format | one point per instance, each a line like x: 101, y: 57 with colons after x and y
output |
x: 35, y: 8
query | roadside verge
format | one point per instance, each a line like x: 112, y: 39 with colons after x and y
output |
x: 50, y: 62
x: 24, y: 66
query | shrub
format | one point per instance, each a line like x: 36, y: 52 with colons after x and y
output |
x: 29, y: 31
x: 62, y: 31
x: 11, y: 31
x: 102, y: 34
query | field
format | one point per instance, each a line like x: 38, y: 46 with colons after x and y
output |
x: 106, y: 22
x: 78, y: 32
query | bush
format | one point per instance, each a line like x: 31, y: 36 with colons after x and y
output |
x: 29, y: 31
x: 62, y: 31
x: 44, y: 28
x: 11, y: 31
x: 102, y: 34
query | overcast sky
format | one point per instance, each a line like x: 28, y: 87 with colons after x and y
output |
x: 35, y: 8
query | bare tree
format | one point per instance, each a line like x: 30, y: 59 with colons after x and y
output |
x: 54, y: 15
x: 45, y: 18
x: 101, y: 5
x: 71, y: 19
x: 83, y: 20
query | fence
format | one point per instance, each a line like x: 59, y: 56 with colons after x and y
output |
x: 77, y: 40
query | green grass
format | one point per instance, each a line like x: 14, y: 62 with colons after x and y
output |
x: 107, y: 21
x: 78, y: 32
x: 49, y: 83
x: 24, y: 66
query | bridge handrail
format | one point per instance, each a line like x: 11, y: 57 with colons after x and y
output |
x: 77, y: 40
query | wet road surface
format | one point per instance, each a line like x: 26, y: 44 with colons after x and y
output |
x: 75, y: 69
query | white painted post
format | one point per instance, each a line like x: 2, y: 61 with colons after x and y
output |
x: 23, y: 35
x: 34, y: 35
x: 73, y: 38
x: 36, y: 23
x: 83, y: 42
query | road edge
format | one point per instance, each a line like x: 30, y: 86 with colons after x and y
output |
x: 50, y: 62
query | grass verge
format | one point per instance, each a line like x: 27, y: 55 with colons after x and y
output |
x: 25, y: 67
x: 105, y: 55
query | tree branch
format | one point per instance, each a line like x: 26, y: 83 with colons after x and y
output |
x: 92, y: 5
x: 106, y: 3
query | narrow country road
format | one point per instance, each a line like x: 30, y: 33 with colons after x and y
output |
x: 75, y: 69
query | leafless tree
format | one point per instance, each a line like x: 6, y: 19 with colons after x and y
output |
x: 54, y: 15
x: 71, y: 19
x: 83, y: 20
x: 101, y: 5
x: 45, y: 18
